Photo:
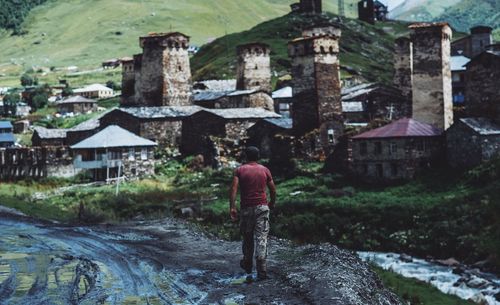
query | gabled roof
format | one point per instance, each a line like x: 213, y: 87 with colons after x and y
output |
x: 113, y: 136
x: 400, y: 129
x: 5, y: 124
x: 205, y: 96
x: 458, y: 63
x: 76, y: 99
x: 7, y: 138
x: 217, y: 85
x: 285, y: 123
x: 243, y: 113
x: 482, y: 126
x: 91, y: 124
x: 285, y: 92
x: 45, y: 133
x: 161, y: 112
x: 93, y: 87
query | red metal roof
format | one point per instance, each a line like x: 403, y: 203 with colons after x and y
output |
x: 402, y: 128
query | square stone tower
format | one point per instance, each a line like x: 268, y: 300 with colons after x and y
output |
x: 254, y: 67
x: 403, y: 66
x: 128, y: 82
x: 316, y: 84
x: 431, y: 83
x: 311, y: 6
x: 165, y: 73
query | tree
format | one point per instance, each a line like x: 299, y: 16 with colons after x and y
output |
x: 39, y: 101
x: 27, y: 80
x: 10, y: 101
x: 67, y: 91
x: 113, y: 85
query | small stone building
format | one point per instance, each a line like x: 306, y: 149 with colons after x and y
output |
x: 162, y: 125
x: 371, y: 11
x: 458, y: 75
x: 94, y: 91
x: 482, y: 85
x: 252, y: 98
x: 283, y: 99
x: 76, y: 104
x: 115, y: 152
x: 230, y: 125
x: 397, y: 151
x: 471, y: 141
x: 48, y: 137
x: 262, y: 134
x: 6, y: 134
x: 474, y: 44
x: 21, y: 126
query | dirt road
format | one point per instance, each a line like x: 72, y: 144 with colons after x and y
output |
x: 167, y: 262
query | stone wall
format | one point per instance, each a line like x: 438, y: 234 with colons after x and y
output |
x: 482, y: 85
x: 254, y: 67
x: 128, y: 83
x: 431, y: 84
x: 403, y: 66
x: 165, y: 132
x: 393, y: 158
x: 77, y: 107
x: 35, y: 163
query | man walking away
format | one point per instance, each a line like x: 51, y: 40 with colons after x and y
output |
x: 252, y: 179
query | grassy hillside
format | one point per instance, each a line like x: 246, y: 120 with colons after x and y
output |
x: 469, y: 13
x: 421, y: 10
x: 364, y: 48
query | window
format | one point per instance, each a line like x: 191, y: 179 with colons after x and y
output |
x: 114, y: 155
x: 131, y: 154
x: 394, y: 169
x: 393, y: 148
x: 378, y: 148
x: 363, y: 148
x: 365, y: 4
x: 331, y: 136
x: 144, y: 154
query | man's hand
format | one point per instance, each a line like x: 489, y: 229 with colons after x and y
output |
x: 234, y: 214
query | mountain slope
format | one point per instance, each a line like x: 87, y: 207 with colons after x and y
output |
x: 469, y: 13
x: 364, y: 47
x: 421, y: 10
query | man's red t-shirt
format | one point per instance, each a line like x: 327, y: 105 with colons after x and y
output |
x: 253, y: 179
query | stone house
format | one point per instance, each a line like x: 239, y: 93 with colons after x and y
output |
x: 228, y: 124
x: 21, y: 126
x: 251, y: 98
x: 262, y: 133
x: 48, y: 137
x: 283, y: 99
x: 76, y: 104
x: 115, y: 152
x: 162, y: 125
x: 482, y: 85
x: 95, y: 91
x: 22, y: 110
x: 396, y: 151
x: 6, y: 134
x: 458, y: 75
x: 471, y: 141
x: 474, y: 44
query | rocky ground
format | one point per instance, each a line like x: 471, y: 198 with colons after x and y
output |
x: 168, y: 262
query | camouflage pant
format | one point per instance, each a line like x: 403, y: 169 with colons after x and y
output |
x: 254, y: 228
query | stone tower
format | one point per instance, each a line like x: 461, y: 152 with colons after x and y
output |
x: 165, y: 74
x: 403, y: 66
x: 311, y: 6
x: 431, y: 83
x: 128, y: 82
x: 480, y: 38
x: 316, y: 84
x: 254, y: 67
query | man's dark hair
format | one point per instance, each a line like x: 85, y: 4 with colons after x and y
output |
x: 252, y: 153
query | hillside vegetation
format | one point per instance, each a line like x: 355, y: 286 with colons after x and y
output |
x: 365, y: 48
x: 13, y: 12
x: 421, y: 10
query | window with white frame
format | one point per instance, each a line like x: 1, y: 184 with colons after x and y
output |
x: 144, y: 154
x: 131, y: 154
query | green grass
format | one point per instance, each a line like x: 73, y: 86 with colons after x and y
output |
x: 416, y: 292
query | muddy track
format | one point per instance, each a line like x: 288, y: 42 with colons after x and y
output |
x: 167, y: 262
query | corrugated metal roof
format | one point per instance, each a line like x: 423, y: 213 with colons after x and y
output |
x: 7, y: 138
x: 285, y: 123
x: 5, y: 124
x: 205, y: 96
x: 46, y: 133
x: 458, y: 63
x: 402, y: 128
x: 482, y: 126
x: 113, y: 136
x: 242, y: 92
x: 352, y: 107
x: 161, y: 112
x: 76, y: 99
x: 285, y: 92
x: 243, y: 113
x: 349, y: 90
x: 219, y: 85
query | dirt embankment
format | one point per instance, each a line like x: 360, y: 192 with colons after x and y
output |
x: 168, y: 262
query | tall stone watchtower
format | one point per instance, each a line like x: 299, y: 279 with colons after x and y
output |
x: 403, y: 66
x: 254, y: 67
x: 128, y: 82
x: 431, y: 83
x: 311, y: 6
x: 165, y: 78
x: 480, y: 38
x: 316, y: 84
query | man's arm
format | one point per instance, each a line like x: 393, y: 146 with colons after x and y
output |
x: 272, y: 193
x: 232, y: 199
